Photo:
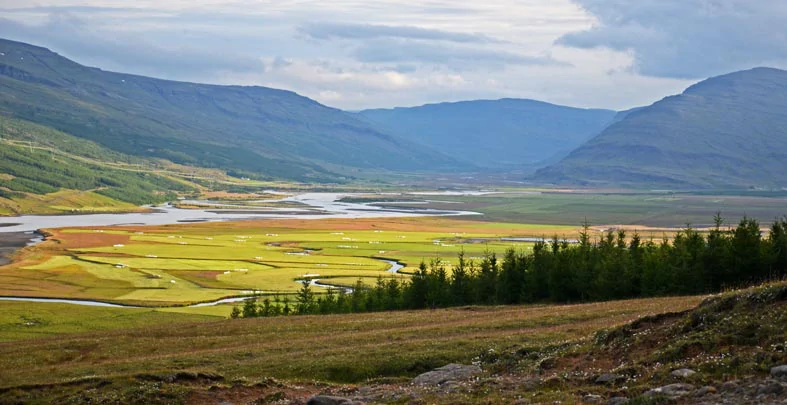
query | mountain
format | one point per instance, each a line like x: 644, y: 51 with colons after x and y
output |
x: 45, y: 171
x: 254, y: 130
x: 495, y: 133
x: 726, y: 131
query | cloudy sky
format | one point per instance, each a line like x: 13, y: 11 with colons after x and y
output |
x: 357, y: 54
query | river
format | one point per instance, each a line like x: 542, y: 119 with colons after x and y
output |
x: 19, y: 230
x: 309, y: 206
x: 395, y: 267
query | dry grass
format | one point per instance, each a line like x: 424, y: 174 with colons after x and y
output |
x: 329, y: 348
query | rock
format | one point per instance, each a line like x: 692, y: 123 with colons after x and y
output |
x: 609, y: 378
x: 683, y: 373
x: 770, y: 388
x: 672, y: 390
x: 779, y: 373
x: 730, y: 386
x: 705, y: 391
x: 592, y: 399
x: 617, y: 401
x: 450, y: 372
x: 329, y: 400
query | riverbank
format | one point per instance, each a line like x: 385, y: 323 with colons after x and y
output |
x: 315, y: 206
x: 12, y: 241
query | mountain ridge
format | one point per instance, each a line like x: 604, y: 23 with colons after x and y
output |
x: 495, y: 134
x: 726, y: 131
x: 245, y: 128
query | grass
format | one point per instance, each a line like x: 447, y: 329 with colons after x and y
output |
x: 23, y: 321
x: 63, y: 201
x: 182, y: 264
x: 339, y: 348
x: 644, y: 209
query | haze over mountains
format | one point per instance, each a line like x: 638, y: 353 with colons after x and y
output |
x: 505, y: 133
x: 725, y: 132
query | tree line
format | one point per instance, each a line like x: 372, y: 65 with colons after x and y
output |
x: 613, y: 266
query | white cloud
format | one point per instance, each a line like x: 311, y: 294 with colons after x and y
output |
x: 688, y: 39
x: 381, y: 53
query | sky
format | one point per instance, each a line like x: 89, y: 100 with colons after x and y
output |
x: 356, y: 54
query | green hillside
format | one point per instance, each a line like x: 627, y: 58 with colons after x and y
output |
x: 43, y: 170
x: 725, y: 132
x: 507, y: 133
x: 256, y: 131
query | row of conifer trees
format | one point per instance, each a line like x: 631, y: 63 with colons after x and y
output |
x: 614, y: 266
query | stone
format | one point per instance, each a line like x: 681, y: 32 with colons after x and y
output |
x: 770, y: 388
x: 706, y: 390
x: 683, y: 373
x: 779, y: 373
x: 609, y: 378
x: 592, y: 399
x: 329, y: 400
x: 730, y: 386
x: 617, y: 401
x: 672, y: 390
x: 450, y: 372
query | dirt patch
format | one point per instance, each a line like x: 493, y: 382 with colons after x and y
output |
x: 86, y: 239
x: 10, y: 243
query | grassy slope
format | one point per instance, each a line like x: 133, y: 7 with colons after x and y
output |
x: 333, y: 348
x: 537, y: 353
x: 725, y: 131
x: 23, y: 321
x: 738, y: 335
x: 47, y: 171
x: 271, y: 133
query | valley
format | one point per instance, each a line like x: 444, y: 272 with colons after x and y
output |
x: 173, y: 242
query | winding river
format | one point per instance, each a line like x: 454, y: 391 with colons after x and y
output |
x: 395, y: 267
x: 307, y: 206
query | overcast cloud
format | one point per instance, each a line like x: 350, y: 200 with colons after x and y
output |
x: 380, y: 53
x: 688, y: 38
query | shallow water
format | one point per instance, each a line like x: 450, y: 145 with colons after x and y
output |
x: 91, y: 303
x: 316, y: 206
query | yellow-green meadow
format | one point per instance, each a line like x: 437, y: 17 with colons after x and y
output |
x: 179, y: 265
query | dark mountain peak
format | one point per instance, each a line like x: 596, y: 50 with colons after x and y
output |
x: 752, y: 80
x: 726, y: 131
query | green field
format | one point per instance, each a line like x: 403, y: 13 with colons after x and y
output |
x: 22, y: 321
x: 659, y: 209
x: 178, y: 265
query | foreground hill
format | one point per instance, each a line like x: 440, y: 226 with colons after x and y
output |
x: 257, y: 130
x: 495, y: 133
x: 730, y: 349
x: 727, y: 131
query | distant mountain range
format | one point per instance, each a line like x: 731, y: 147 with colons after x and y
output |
x: 727, y: 131
x: 254, y: 130
x: 498, y: 134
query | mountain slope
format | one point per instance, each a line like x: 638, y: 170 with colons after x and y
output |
x: 727, y: 131
x: 46, y: 171
x: 495, y: 133
x: 253, y: 129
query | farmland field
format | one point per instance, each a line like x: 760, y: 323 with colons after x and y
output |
x: 184, y: 264
x: 657, y: 209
